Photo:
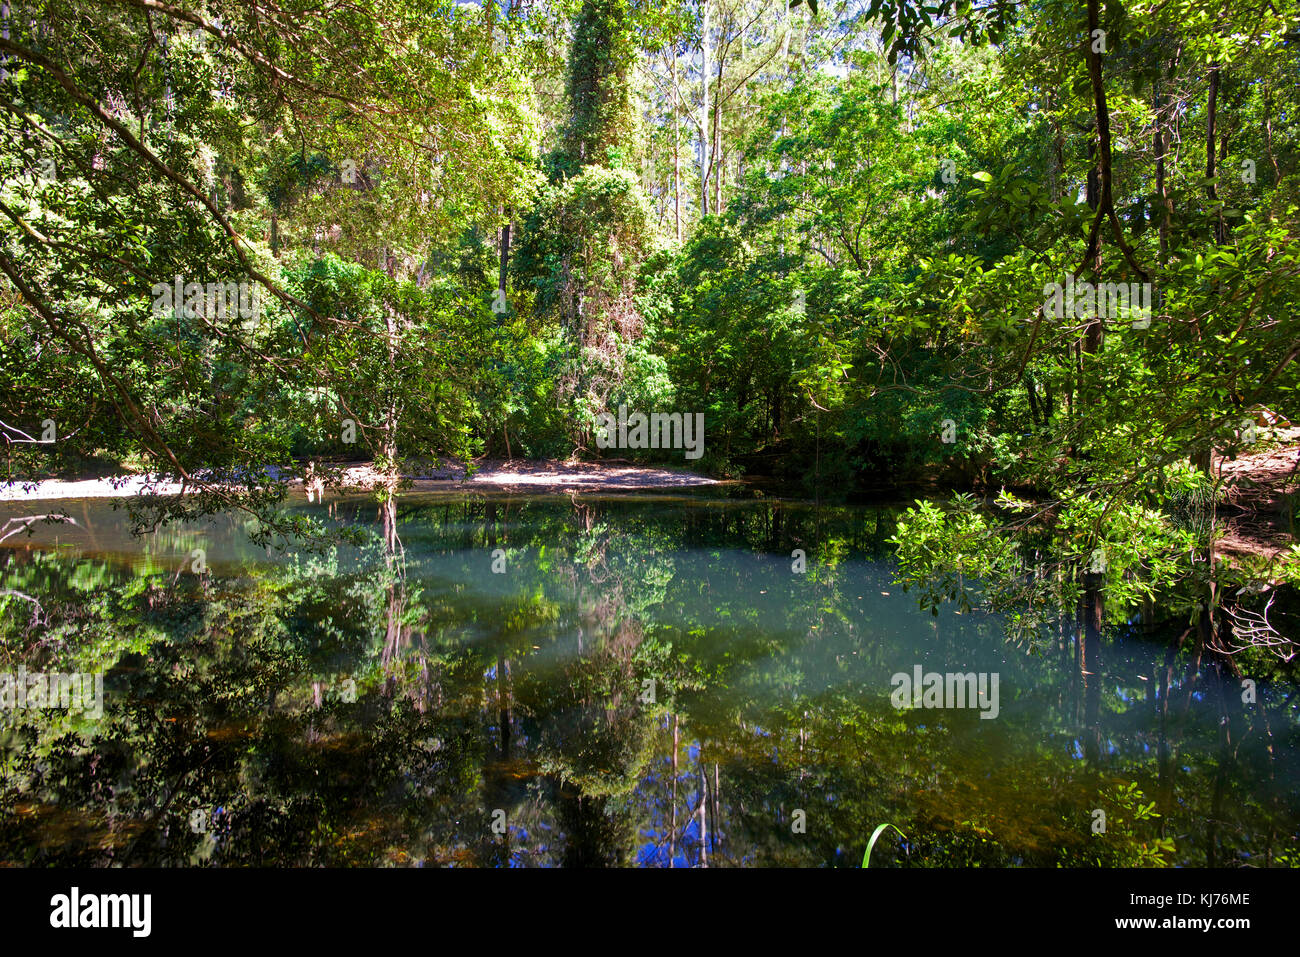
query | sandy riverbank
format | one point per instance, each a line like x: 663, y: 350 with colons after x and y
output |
x: 521, y: 475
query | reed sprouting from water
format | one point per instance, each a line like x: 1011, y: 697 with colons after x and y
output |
x: 875, y: 835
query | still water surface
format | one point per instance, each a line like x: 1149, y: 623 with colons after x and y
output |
x: 592, y: 680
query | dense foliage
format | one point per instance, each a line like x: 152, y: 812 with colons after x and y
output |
x: 832, y: 231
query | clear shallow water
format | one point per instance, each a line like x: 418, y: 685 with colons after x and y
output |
x: 336, y: 710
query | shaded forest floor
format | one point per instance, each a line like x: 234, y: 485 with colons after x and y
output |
x: 1260, y: 493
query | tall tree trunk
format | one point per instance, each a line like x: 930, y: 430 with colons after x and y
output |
x: 505, y: 254
x: 1056, y: 182
x: 1202, y: 459
x: 785, y: 46
x: 716, y: 164
x: 1211, y: 120
x: 1268, y: 132
x: 704, y: 111
x: 1106, y: 205
x: 1091, y: 340
x: 4, y: 32
x: 388, y: 442
x: 677, y: 164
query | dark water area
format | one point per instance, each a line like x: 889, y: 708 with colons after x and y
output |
x: 575, y: 680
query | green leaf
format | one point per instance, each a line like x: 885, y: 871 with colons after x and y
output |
x: 866, y: 858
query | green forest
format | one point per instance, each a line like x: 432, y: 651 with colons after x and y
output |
x: 1028, y: 271
x: 466, y: 231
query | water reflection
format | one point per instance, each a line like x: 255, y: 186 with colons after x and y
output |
x: 592, y: 681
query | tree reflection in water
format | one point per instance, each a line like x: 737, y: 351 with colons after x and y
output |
x: 646, y: 682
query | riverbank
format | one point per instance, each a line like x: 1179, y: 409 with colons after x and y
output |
x: 1260, y: 493
x: 489, y: 475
